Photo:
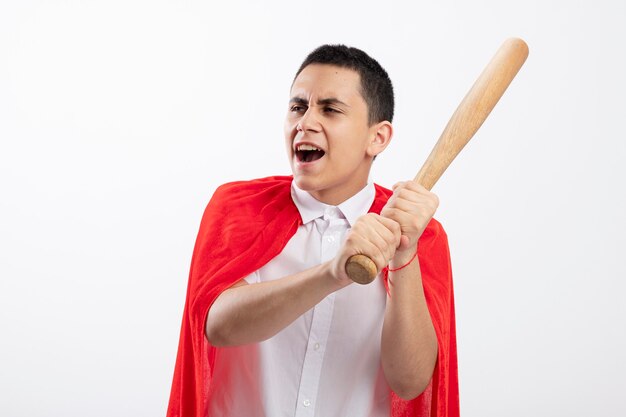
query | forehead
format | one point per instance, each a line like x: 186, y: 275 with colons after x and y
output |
x: 323, y: 80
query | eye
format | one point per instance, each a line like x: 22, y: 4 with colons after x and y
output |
x: 296, y: 108
x: 330, y: 110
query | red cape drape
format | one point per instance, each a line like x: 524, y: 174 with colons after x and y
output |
x: 244, y: 226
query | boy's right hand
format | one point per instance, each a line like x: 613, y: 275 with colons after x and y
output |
x: 372, y: 235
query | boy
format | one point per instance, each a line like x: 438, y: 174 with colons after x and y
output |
x: 273, y: 326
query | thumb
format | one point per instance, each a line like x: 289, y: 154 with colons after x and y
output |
x: 404, y: 243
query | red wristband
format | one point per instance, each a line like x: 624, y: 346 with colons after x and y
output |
x: 387, y: 269
x: 405, y: 265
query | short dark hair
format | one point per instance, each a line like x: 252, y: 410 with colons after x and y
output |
x: 376, y: 87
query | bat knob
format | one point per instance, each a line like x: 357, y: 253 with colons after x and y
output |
x: 361, y: 269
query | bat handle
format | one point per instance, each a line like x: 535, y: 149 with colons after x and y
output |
x: 361, y: 269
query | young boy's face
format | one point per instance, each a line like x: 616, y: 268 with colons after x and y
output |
x: 329, y: 142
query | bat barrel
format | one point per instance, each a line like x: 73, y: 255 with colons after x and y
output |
x: 474, y: 109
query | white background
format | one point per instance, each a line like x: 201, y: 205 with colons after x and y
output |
x: 119, y: 118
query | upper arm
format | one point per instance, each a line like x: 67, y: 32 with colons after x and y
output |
x: 240, y: 283
x: 211, y: 327
x: 252, y: 278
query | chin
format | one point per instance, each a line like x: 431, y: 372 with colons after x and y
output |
x: 307, y: 182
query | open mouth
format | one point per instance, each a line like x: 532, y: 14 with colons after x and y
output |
x: 308, y: 153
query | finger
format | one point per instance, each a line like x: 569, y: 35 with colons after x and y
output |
x: 387, y: 243
x: 405, y: 243
x: 408, y: 225
x: 415, y: 186
x: 408, y: 222
x: 412, y: 185
x: 391, y: 226
x: 372, y: 251
x: 412, y: 191
x: 382, y: 237
x: 411, y: 195
x: 422, y: 207
x: 396, y: 185
x: 382, y: 230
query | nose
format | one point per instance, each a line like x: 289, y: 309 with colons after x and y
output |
x: 308, y: 121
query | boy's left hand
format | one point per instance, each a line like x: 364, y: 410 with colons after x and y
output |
x: 412, y: 206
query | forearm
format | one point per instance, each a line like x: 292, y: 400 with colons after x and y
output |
x: 409, y: 342
x: 256, y: 312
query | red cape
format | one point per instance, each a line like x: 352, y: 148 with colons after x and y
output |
x: 245, y: 225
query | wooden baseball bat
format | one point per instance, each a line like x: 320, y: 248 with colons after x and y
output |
x: 463, y: 124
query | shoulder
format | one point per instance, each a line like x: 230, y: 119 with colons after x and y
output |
x: 382, y: 192
x: 381, y: 196
x: 240, y: 192
x: 273, y: 184
x: 251, y: 197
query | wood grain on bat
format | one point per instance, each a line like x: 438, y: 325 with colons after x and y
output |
x: 466, y: 120
x: 474, y: 109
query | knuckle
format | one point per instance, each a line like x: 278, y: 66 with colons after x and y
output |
x: 412, y: 185
x: 351, y: 239
x: 369, y: 218
x: 418, y: 187
x: 362, y: 223
x: 380, y: 261
x: 405, y: 193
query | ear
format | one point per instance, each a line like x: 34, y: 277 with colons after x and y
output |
x: 380, y: 136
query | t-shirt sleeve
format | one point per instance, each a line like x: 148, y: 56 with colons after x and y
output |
x: 253, y: 278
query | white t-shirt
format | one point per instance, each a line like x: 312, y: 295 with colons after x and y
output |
x: 327, y: 362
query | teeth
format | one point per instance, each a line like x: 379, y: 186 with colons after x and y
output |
x: 305, y: 147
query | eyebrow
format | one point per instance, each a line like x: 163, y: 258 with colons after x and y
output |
x: 322, y: 101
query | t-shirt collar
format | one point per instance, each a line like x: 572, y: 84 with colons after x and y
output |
x: 352, y: 208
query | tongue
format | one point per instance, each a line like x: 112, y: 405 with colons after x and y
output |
x: 311, y: 156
